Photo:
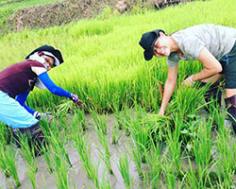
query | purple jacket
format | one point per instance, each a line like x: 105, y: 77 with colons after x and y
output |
x: 18, y: 78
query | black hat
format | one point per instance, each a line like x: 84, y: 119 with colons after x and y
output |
x: 50, y: 51
x: 147, y: 41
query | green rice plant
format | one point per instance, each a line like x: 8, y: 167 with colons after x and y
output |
x: 225, y: 157
x: 123, y: 118
x: 106, y: 154
x: 170, y: 175
x: 5, y: 134
x: 191, y: 180
x: 140, y: 137
x: 159, y: 126
x: 149, y: 87
x: 86, y: 161
x: 82, y: 148
x: 105, y: 184
x: 174, y: 143
x: 147, y: 130
x: 28, y: 153
x: 61, y: 170
x: 46, y: 150
x: 138, y: 157
x: 56, y: 138
x: 78, y: 120
x: 154, y: 163
x: 218, y: 115
x: 81, y: 117
x: 56, y: 156
x: 103, y: 70
x: 202, y: 149
x: 58, y: 145
x: 65, y: 107
x: 124, y: 170
x: 101, y: 130
x: 8, y: 163
x: 187, y: 101
x: 203, y: 144
x: 100, y: 123
x: 115, y: 135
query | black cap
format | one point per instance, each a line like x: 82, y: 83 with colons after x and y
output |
x: 47, y: 48
x: 147, y: 41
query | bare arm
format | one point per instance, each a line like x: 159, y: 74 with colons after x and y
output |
x: 211, y: 66
x: 169, y: 88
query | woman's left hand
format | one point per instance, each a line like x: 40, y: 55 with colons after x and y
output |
x: 188, y: 81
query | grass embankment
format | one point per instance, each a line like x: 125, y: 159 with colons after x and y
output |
x: 8, y: 7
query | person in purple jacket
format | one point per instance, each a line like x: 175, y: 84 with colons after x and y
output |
x: 16, y: 82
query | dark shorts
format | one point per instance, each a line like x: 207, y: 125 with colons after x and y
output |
x: 35, y: 138
x: 228, y: 63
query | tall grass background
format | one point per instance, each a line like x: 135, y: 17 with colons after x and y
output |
x: 104, y: 63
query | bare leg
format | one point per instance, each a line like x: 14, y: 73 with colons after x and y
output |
x: 230, y: 92
x: 212, y: 79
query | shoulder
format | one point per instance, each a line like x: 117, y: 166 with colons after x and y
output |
x: 37, y: 67
x: 34, y: 63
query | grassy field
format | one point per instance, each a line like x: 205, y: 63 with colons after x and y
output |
x: 104, y: 65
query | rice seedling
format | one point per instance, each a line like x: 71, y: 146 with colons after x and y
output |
x: 203, y: 144
x: 202, y: 149
x: 146, y: 131
x: 82, y: 148
x: 101, y: 130
x: 154, y: 163
x: 81, y: 117
x: 56, y: 139
x: 59, y: 148
x: 5, y: 134
x: 100, y: 123
x: 124, y: 170
x: 191, y: 180
x: 140, y: 137
x: 61, y: 170
x: 65, y: 107
x: 28, y: 153
x: 137, y: 157
x: 123, y: 119
x: 105, y: 184
x: 225, y: 157
x: 187, y: 101
x: 174, y: 143
x: 170, y: 175
x: 46, y: 150
x: 115, y: 134
x: 8, y: 163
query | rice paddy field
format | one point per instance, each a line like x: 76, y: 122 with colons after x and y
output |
x: 118, y: 140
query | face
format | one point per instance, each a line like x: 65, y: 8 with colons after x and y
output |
x: 50, y: 61
x: 161, y: 46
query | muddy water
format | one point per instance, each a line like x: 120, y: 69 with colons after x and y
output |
x: 76, y: 174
